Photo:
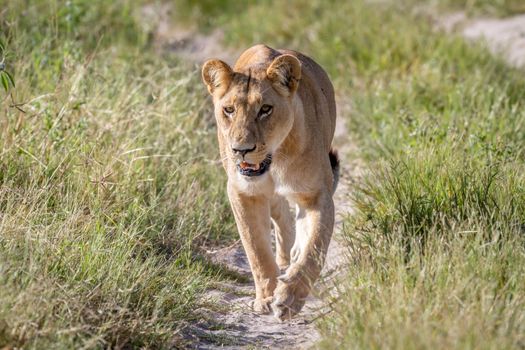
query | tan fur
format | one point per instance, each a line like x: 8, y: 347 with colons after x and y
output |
x: 298, y: 134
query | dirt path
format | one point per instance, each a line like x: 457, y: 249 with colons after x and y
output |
x: 227, y: 321
x: 504, y: 37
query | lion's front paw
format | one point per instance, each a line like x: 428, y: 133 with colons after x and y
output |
x: 262, y: 306
x: 289, y: 297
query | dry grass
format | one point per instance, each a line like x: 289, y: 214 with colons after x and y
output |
x: 108, y: 182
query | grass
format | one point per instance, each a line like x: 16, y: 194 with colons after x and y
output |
x: 109, y: 184
x: 438, y: 236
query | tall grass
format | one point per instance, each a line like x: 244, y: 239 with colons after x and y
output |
x: 108, y: 182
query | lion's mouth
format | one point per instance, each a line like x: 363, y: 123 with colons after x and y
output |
x: 248, y: 169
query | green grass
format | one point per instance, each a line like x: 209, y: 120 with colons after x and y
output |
x: 109, y: 182
x: 438, y: 236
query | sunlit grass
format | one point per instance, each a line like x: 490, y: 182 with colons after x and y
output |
x: 109, y: 182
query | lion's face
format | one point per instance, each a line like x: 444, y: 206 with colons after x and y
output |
x: 254, y: 120
x: 253, y: 110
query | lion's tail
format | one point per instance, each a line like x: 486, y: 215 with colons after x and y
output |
x: 334, y: 162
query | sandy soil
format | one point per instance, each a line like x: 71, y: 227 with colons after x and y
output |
x: 504, y: 37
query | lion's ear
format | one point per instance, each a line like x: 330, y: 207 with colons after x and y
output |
x: 217, y: 76
x: 284, y: 73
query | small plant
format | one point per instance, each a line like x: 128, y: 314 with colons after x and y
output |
x: 6, y: 77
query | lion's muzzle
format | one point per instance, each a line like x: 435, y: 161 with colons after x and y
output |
x: 248, y: 169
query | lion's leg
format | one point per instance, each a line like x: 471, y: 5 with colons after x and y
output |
x: 252, y: 215
x: 315, y: 222
x: 284, y: 230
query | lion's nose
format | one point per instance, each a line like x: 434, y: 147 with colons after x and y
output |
x: 242, y: 149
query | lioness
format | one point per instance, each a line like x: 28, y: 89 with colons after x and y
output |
x: 275, y: 112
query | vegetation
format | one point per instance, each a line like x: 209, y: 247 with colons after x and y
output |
x: 109, y: 182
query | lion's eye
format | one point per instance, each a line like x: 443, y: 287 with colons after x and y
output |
x: 228, y: 110
x: 265, y: 111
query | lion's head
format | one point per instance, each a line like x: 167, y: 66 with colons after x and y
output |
x: 253, y: 108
